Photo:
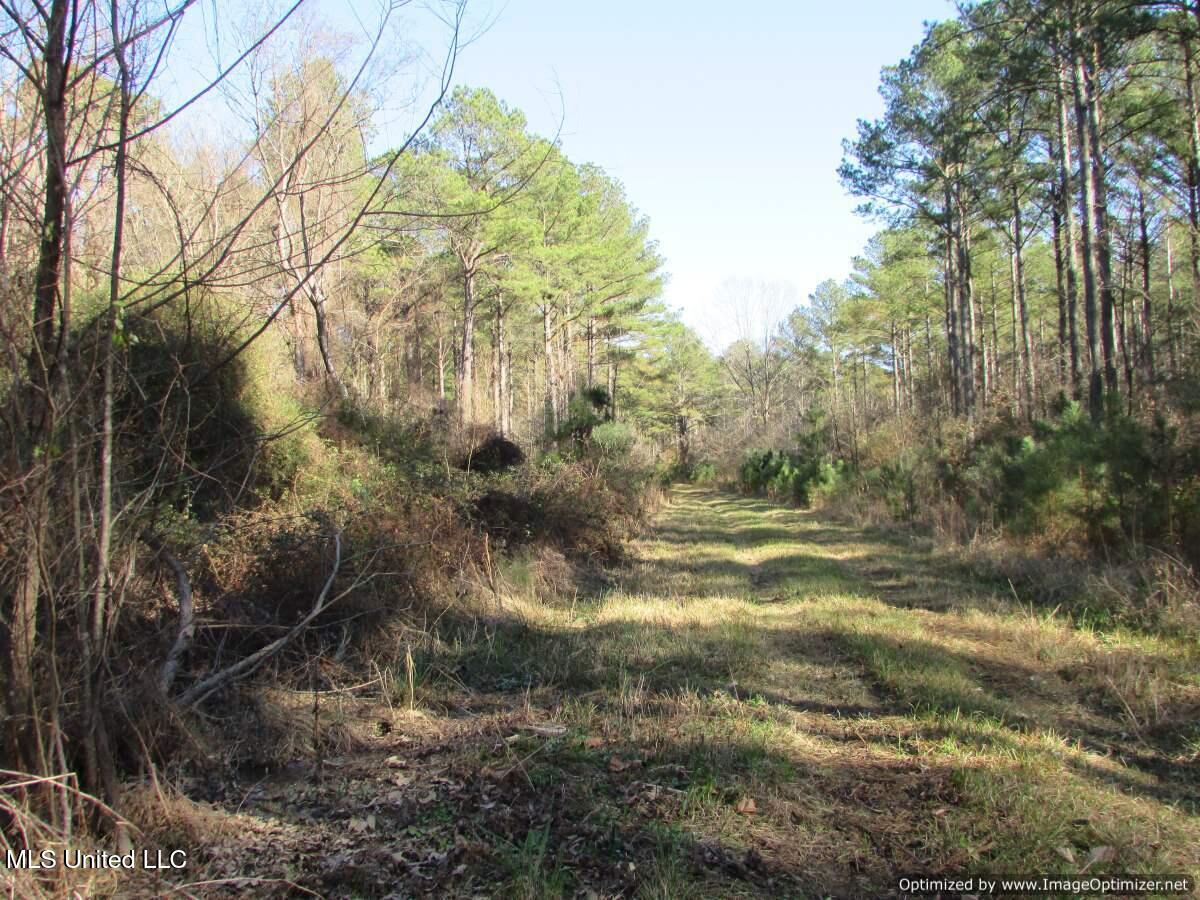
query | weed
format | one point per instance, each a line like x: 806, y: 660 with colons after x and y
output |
x: 532, y: 871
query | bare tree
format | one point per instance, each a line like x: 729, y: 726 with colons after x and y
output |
x: 82, y: 74
x: 757, y: 361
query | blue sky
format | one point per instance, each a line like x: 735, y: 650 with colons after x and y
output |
x: 723, y: 120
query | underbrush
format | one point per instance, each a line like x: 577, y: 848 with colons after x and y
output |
x: 797, y: 476
x: 1100, y: 521
x: 407, y: 560
x: 1065, y: 486
x: 1154, y: 592
x: 273, y: 546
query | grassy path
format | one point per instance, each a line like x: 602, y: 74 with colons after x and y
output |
x: 766, y: 704
x: 887, y: 717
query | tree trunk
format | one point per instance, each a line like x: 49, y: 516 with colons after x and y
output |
x: 995, y: 329
x: 612, y: 386
x: 466, y: 358
x: 1019, y: 278
x: 569, y: 385
x: 1146, y: 328
x: 682, y: 438
x: 1087, y: 205
x: 500, y: 388
x: 316, y: 298
x: 49, y: 267
x: 374, y: 366
x: 934, y: 370
x: 1103, y: 239
x: 551, y: 370
x: 951, y: 286
x: 1070, y: 251
x: 1017, y: 368
x: 101, y: 772
x: 591, y: 351
x: 1060, y: 291
x: 497, y: 425
x: 20, y: 622
x: 509, y: 400
x: 532, y: 424
x: 441, y: 367
x: 1192, y: 169
x: 1172, y: 359
x: 910, y: 371
x: 979, y: 326
x: 1122, y: 336
x: 965, y: 315
x: 895, y: 372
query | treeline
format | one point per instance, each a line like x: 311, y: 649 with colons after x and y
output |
x: 1040, y: 163
x: 247, y: 353
x: 1018, y: 348
x: 537, y: 259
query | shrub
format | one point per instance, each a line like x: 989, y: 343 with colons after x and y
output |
x: 1102, y: 484
x: 196, y: 439
x: 574, y: 507
x: 585, y: 411
x: 1067, y: 482
x: 496, y: 454
x: 613, y: 439
x: 781, y: 475
x: 896, y: 483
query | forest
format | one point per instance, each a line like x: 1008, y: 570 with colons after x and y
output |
x: 371, y: 526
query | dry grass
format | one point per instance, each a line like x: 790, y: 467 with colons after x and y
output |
x: 767, y: 703
x: 48, y: 815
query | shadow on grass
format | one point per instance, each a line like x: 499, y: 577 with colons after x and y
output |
x: 626, y: 661
x: 914, y: 778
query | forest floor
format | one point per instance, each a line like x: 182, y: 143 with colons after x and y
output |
x: 764, y: 702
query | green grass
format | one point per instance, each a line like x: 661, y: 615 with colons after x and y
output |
x: 884, y: 714
x: 766, y: 703
x: 533, y: 873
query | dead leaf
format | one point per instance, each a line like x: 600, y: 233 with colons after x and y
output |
x: 616, y: 764
x: 976, y: 852
x: 651, y: 791
x: 746, y: 806
x: 363, y: 824
x: 1066, y: 853
x: 593, y: 743
x: 1101, y: 854
x: 941, y: 812
x: 548, y: 730
x: 471, y: 848
x: 395, y: 762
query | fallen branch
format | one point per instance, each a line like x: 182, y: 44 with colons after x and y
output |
x: 199, y: 691
x: 187, y: 620
x: 20, y: 819
x: 239, y: 883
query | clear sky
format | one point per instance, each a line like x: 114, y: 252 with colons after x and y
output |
x: 724, y: 121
